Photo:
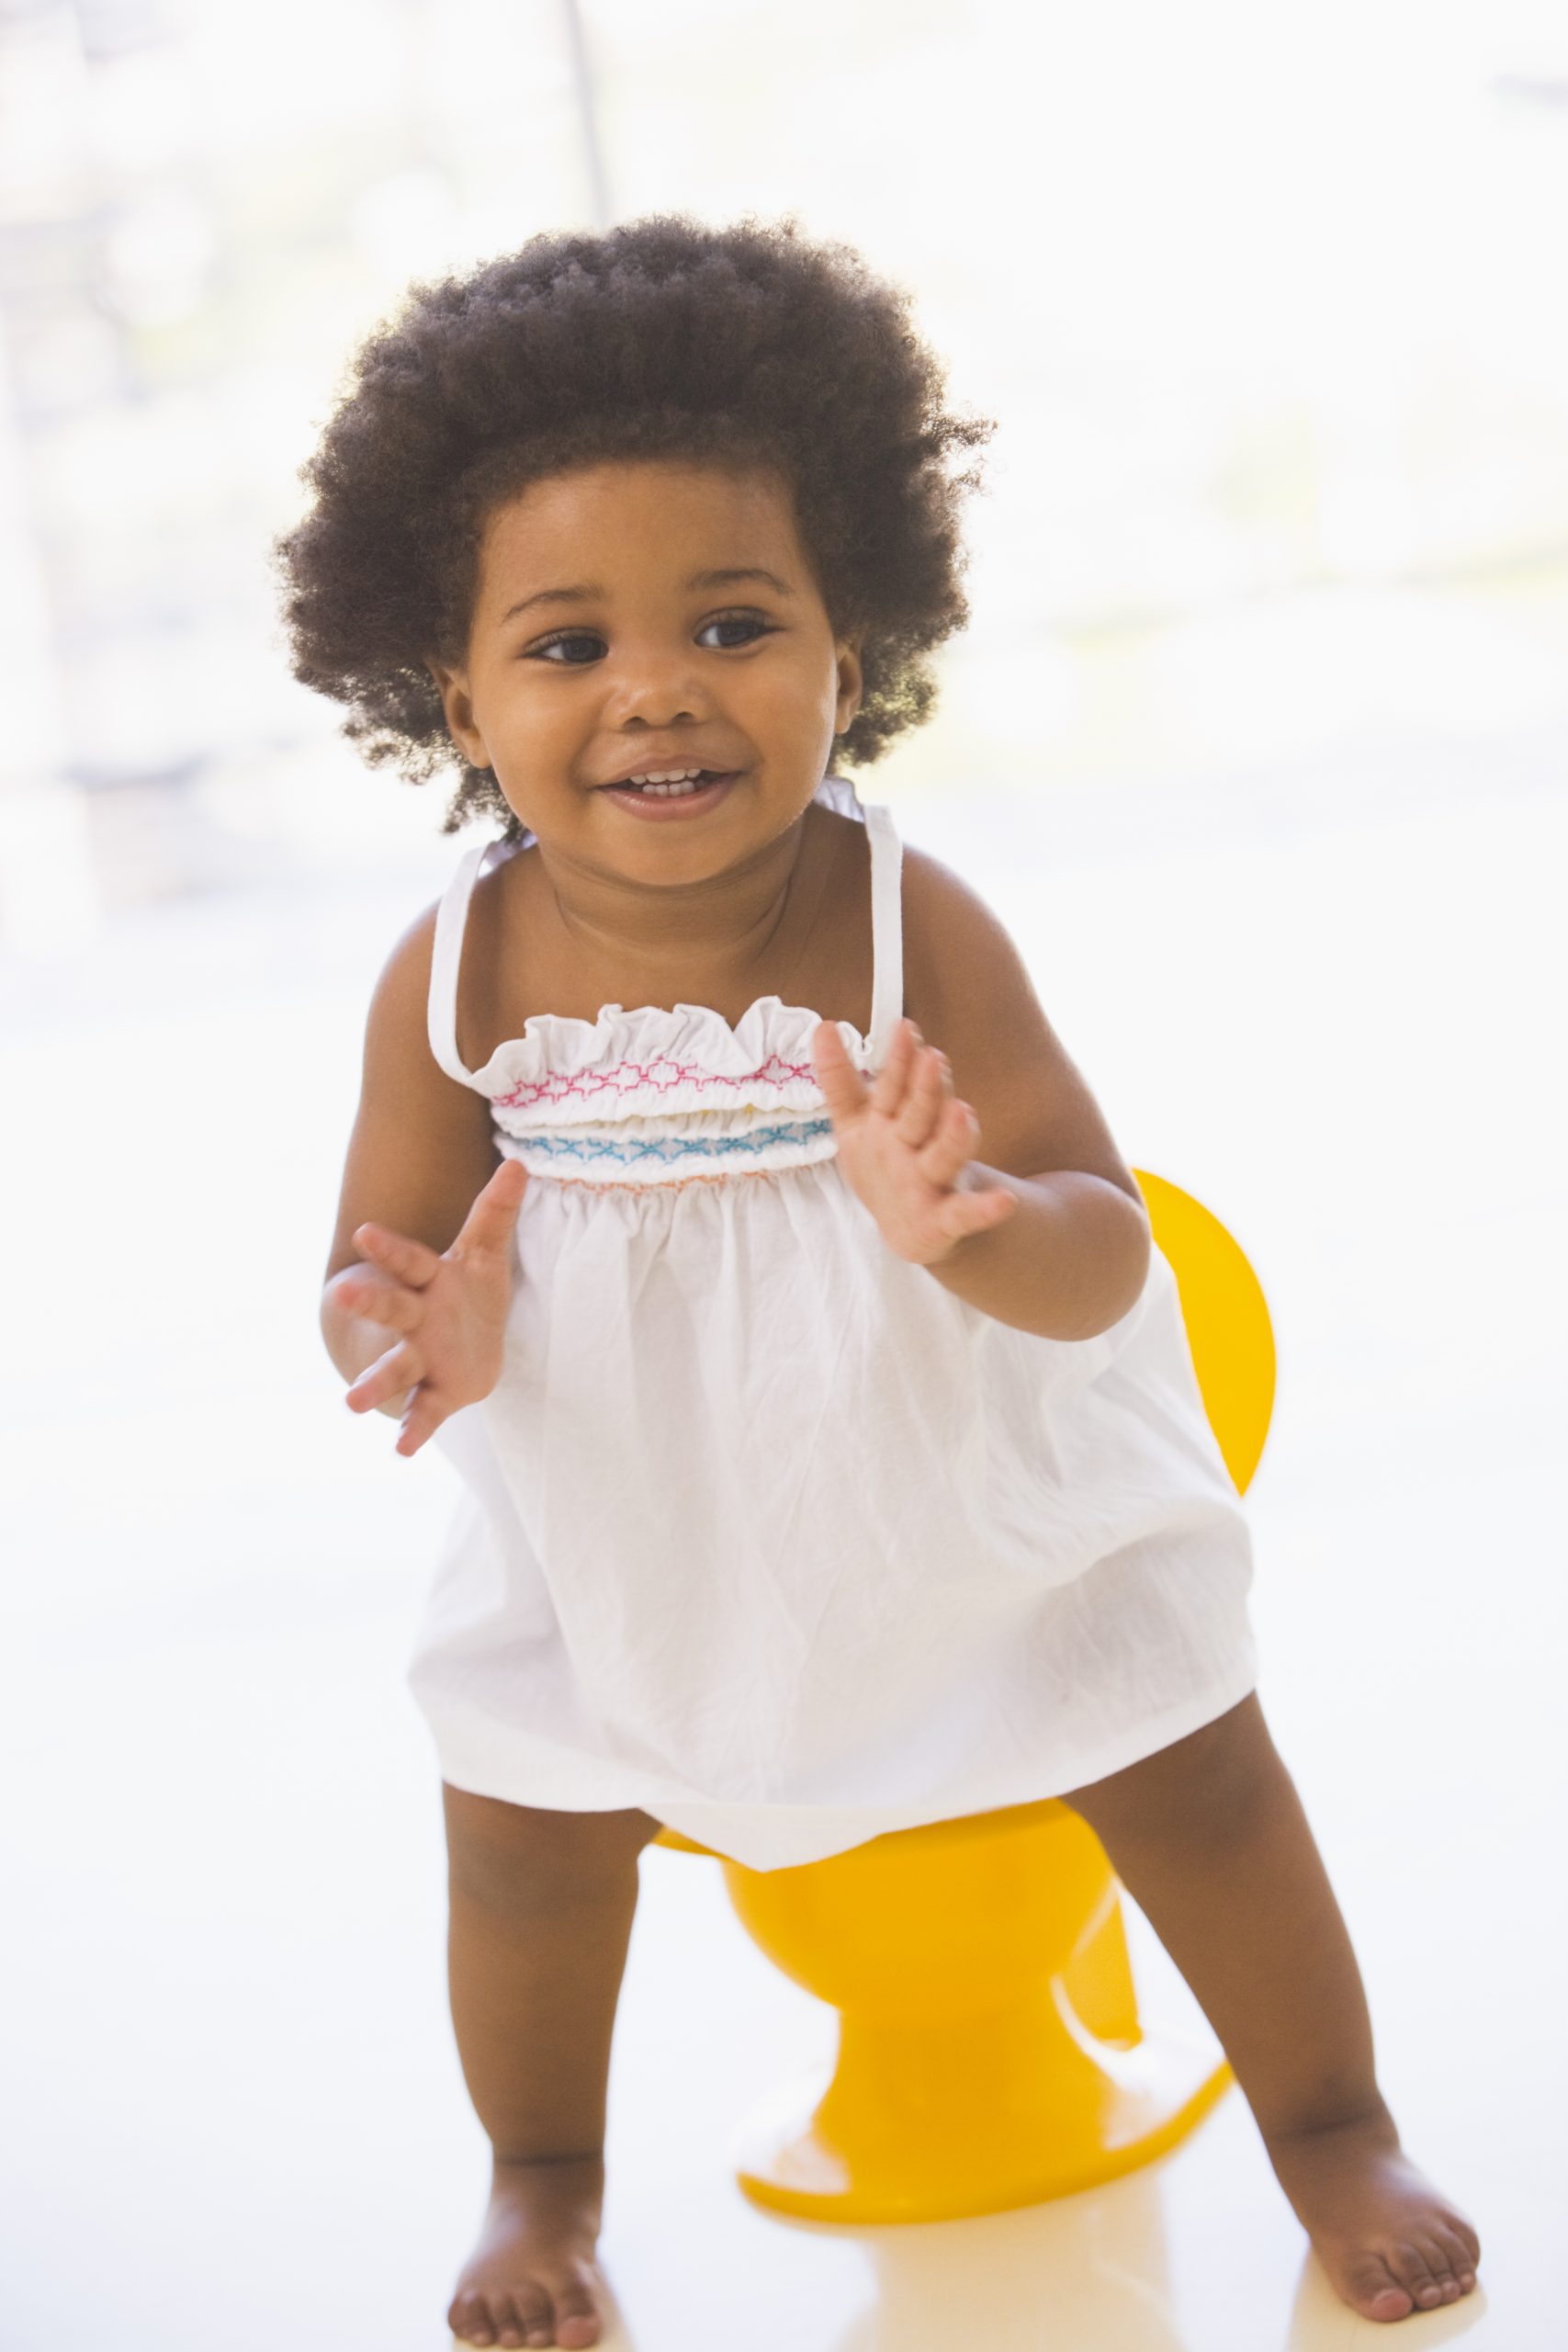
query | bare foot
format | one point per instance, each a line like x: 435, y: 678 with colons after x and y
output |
x: 1390, y: 2243
x: 532, y: 2279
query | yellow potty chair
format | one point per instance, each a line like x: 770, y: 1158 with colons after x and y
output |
x: 990, y: 2051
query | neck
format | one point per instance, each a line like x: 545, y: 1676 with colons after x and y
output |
x: 723, y: 922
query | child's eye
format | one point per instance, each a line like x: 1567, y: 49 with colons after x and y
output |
x: 549, y: 646
x: 740, y: 620
x: 570, y: 637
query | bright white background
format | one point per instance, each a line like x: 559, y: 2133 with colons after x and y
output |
x: 1255, y: 742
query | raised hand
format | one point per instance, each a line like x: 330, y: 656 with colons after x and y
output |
x: 448, y: 1310
x: 904, y: 1143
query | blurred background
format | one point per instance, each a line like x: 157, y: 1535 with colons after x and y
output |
x: 1263, y: 300
x: 1256, y: 741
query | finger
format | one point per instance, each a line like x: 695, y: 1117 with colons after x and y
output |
x: 844, y: 1090
x: 410, y: 1261
x: 952, y: 1147
x: 489, y: 1224
x: 387, y: 1377
x: 930, y: 1089
x: 892, y: 1080
x: 422, y: 1418
x: 377, y: 1301
x: 399, y: 1368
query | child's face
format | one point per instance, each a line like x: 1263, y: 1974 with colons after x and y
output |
x: 644, y: 665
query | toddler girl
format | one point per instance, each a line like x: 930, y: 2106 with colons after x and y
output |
x: 722, y: 1198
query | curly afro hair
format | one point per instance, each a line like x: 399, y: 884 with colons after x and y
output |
x: 661, y: 338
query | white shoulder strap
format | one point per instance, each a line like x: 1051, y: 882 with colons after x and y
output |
x: 887, y: 930
x: 451, y: 918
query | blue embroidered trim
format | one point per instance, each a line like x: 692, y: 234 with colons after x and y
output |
x: 665, y: 1147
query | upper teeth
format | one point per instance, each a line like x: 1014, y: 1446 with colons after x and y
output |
x: 665, y: 775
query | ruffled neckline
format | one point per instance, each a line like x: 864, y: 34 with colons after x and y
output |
x: 770, y: 1041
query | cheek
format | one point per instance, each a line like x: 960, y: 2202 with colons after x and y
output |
x: 798, y: 696
x: 533, y: 709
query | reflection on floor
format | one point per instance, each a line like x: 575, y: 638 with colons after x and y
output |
x: 235, y: 2113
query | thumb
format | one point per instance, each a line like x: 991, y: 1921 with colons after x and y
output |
x: 488, y: 1223
x: 843, y: 1089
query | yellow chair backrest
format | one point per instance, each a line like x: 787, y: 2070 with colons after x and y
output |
x: 1228, y: 1329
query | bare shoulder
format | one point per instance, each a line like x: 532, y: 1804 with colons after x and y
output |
x: 398, y: 1058
x: 957, y: 950
x: 968, y: 990
x: 421, y: 1145
x: 402, y: 985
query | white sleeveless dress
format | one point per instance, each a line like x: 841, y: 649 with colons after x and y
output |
x: 763, y: 1530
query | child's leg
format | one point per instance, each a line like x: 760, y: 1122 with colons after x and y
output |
x: 1208, y: 1837
x: 541, y: 1911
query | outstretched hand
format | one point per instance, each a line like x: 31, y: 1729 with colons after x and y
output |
x: 904, y: 1143
x: 448, y: 1310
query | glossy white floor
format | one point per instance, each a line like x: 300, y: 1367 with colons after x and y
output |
x: 236, y: 2116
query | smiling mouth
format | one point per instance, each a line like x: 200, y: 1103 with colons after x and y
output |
x: 704, y: 777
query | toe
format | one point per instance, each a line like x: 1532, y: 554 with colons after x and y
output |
x: 469, y: 2320
x: 1442, y: 2269
x: 577, y: 2317
x: 1459, y: 2253
x: 577, y: 2312
x: 531, y: 2316
x: 509, y: 2327
x: 1371, y: 2289
x: 1410, y: 2267
x: 577, y: 2330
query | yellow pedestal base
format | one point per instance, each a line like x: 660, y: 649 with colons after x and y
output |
x: 813, y: 2150
x: 989, y: 2054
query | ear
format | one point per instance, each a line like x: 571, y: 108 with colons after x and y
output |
x: 457, y: 701
x: 852, y: 681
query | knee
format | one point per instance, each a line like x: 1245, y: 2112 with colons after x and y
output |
x: 504, y: 1855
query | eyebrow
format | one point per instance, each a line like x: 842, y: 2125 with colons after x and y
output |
x: 587, y: 590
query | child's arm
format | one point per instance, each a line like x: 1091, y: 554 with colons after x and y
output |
x: 1050, y: 1232
x: 419, y: 1278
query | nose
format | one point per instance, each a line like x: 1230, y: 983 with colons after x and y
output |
x: 655, y: 690
x: 650, y: 708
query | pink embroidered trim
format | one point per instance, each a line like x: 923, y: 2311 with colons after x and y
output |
x: 662, y: 1073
